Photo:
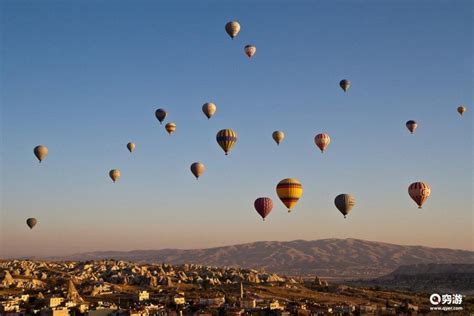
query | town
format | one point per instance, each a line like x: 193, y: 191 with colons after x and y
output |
x: 111, y: 287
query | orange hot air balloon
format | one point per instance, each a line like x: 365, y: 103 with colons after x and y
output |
x: 289, y: 191
x: 209, y: 109
x: 131, y: 147
x: 419, y: 192
x: 40, y: 152
x: 232, y: 28
x: 197, y: 169
x: 263, y: 206
x: 250, y: 50
x: 322, y: 141
x: 170, y: 128
x: 461, y: 109
x: 278, y: 136
x: 114, y: 174
x: 411, y: 125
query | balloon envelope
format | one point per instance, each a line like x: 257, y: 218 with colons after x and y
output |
x: 344, y: 203
x: 250, y: 50
x: 289, y: 191
x: 278, y: 136
x: 232, y: 28
x: 170, y: 128
x: 131, y: 147
x: 114, y: 174
x: 461, y: 110
x: 31, y: 222
x: 322, y: 141
x: 40, y: 152
x: 263, y: 206
x: 419, y: 192
x: 197, y: 169
x: 160, y: 115
x: 209, y: 109
x: 345, y: 84
x: 226, y: 138
x: 411, y: 125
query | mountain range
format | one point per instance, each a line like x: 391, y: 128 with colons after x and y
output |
x: 330, y: 258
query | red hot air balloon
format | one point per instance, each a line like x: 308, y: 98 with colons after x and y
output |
x: 419, y: 192
x: 263, y: 206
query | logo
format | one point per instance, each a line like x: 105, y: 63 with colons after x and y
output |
x: 448, y: 302
x: 435, y: 299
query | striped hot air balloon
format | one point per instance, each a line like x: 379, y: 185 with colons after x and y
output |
x: 419, y: 192
x: 232, y: 28
x: 170, y: 128
x: 263, y: 206
x: 289, y: 191
x: 226, y: 138
x: 322, y: 141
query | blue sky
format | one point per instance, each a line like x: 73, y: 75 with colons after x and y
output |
x: 85, y: 77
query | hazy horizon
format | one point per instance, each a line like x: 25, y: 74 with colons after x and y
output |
x: 85, y: 78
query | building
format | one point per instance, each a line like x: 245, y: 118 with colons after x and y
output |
x: 179, y: 299
x: 217, y: 301
x: 248, y: 303
x: 100, y: 312
x: 275, y: 305
x: 55, y: 301
x: 143, y: 296
x: 54, y: 312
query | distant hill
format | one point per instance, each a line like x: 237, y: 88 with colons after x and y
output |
x: 429, y: 278
x: 340, y: 258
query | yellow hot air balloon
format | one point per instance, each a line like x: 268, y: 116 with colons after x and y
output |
x: 278, y: 136
x: 131, y: 147
x: 197, y: 169
x: 209, y: 109
x: 461, y: 110
x: 250, y: 50
x: 289, y: 191
x: 40, y: 152
x: 226, y: 138
x: 170, y: 128
x: 114, y: 174
x: 232, y: 28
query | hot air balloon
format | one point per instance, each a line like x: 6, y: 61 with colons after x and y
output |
x: 197, y: 169
x: 160, y: 115
x: 411, y: 125
x: 232, y: 28
x: 344, y: 203
x: 31, y: 222
x: 461, y: 110
x: 322, y: 141
x: 40, y: 152
x: 278, y: 136
x: 131, y: 147
x: 289, y: 191
x: 170, y: 128
x: 250, y: 50
x: 345, y: 84
x: 114, y: 174
x: 226, y: 138
x: 263, y: 206
x: 209, y: 109
x: 419, y: 192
